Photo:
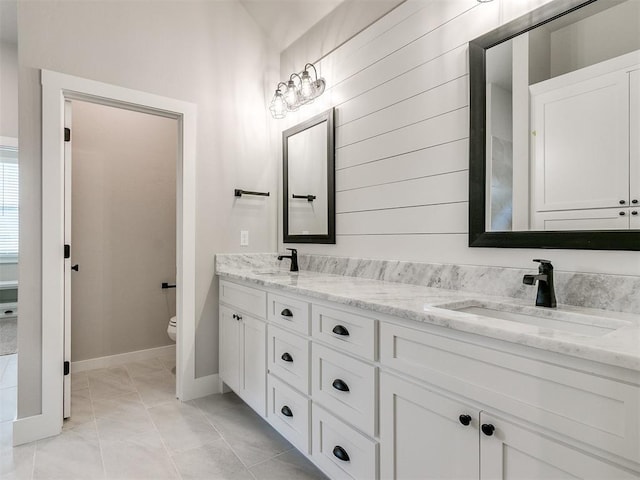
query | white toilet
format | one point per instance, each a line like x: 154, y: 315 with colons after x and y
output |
x: 172, y: 329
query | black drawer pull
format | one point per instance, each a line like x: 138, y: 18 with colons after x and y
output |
x: 488, y: 429
x: 340, y: 385
x: 287, y: 357
x: 286, y: 411
x: 340, y: 330
x: 465, y: 419
x: 286, y: 313
x: 340, y: 453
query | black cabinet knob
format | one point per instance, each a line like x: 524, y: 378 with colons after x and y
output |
x: 286, y: 411
x: 340, y: 330
x: 488, y: 429
x: 634, y: 212
x: 622, y: 214
x: 340, y: 385
x: 634, y: 201
x: 622, y: 202
x: 286, y: 313
x: 236, y: 316
x: 465, y: 419
x: 340, y: 453
x: 287, y: 357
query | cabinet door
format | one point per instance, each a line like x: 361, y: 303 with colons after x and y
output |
x: 421, y: 435
x: 229, y: 348
x: 581, y: 138
x: 253, y: 377
x: 514, y: 453
x: 634, y: 138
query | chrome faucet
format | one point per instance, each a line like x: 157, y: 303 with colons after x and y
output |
x: 293, y: 257
x: 546, y: 295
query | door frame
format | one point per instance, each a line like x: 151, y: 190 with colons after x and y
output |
x: 56, y: 88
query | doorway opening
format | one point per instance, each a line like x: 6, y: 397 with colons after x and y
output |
x: 120, y: 222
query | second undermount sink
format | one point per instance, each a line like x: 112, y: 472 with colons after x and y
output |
x: 274, y: 273
x: 566, y: 321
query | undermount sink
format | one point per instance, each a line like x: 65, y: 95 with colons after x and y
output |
x: 566, y: 321
x: 274, y: 273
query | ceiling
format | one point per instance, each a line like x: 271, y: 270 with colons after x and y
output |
x: 8, y: 21
x: 284, y: 21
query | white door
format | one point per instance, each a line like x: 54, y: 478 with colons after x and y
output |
x: 634, y: 143
x: 67, y: 262
x: 511, y: 452
x: 582, y: 126
x: 423, y: 434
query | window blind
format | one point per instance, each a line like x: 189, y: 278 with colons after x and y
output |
x: 9, y: 203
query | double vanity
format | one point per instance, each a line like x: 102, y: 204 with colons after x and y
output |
x: 375, y: 379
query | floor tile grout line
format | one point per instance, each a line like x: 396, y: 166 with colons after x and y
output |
x: 95, y: 421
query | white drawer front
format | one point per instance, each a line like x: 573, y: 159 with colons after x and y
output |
x: 244, y: 298
x: 289, y: 358
x: 288, y: 412
x: 353, y: 333
x: 597, y: 411
x: 289, y: 313
x: 346, y: 387
x: 332, y: 439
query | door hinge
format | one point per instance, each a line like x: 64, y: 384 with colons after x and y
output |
x: 67, y: 134
x: 67, y: 251
x: 67, y: 367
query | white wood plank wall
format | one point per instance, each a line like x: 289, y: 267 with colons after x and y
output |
x: 401, y: 93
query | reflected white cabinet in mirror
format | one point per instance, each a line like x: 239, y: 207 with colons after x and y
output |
x: 554, y: 129
x: 308, y: 181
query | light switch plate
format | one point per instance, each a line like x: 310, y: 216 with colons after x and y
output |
x: 244, y: 238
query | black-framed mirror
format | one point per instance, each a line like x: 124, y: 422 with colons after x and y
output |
x: 566, y: 174
x: 308, y: 169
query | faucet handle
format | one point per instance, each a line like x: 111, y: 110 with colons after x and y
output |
x: 293, y: 251
x: 544, y: 264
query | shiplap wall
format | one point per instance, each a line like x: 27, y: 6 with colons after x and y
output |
x: 401, y: 93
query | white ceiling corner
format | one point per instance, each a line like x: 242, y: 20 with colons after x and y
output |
x: 284, y: 21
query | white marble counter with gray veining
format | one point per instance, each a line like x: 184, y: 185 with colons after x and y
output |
x: 598, y: 335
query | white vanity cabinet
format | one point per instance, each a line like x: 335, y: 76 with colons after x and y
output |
x: 243, y: 334
x: 369, y: 396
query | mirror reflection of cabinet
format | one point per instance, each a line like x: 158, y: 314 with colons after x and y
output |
x: 308, y: 181
x: 586, y: 121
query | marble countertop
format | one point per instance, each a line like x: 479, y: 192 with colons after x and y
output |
x: 598, y: 335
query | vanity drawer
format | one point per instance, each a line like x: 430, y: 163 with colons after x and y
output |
x: 353, y: 333
x: 288, y: 412
x: 289, y: 313
x: 597, y: 411
x: 289, y: 358
x: 345, y: 386
x: 244, y: 298
x: 332, y: 439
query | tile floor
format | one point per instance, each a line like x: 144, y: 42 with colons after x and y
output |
x: 126, y: 424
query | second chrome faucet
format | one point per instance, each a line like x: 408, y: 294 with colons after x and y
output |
x: 546, y: 296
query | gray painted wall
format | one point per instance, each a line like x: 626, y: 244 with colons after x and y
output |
x: 123, y: 230
x: 209, y: 53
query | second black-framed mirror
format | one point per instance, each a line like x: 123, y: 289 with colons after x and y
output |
x: 308, y: 169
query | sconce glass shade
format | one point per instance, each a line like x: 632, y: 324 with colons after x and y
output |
x: 278, y: 105
x: 307, y: 88
x: 292, y: 95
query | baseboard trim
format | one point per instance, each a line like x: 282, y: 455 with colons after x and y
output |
x: 35, y: 427
x: 122, y: 358
x: 203, y: 386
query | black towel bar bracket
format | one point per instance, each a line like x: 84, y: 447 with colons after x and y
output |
x: 238, y: 193
x: 310, y: 198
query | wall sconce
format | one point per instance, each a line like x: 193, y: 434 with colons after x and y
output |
x: 300, y: 89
